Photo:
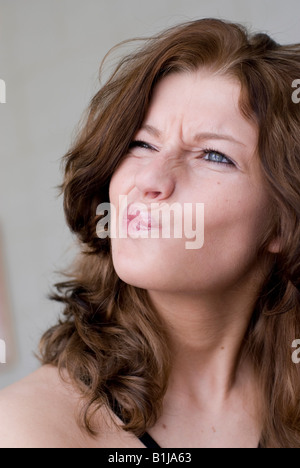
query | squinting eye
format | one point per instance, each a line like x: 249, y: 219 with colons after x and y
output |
x: 216, y: 157
x: 140, y: 144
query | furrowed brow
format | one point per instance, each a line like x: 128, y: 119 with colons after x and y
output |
x: 198, y: 137
x: 216, y: 136
x: 152, y: 130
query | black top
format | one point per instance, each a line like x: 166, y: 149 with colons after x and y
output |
x: 146, y: 439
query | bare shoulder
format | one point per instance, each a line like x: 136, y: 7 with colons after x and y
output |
x: 42, y: 411
x: 38, y: 412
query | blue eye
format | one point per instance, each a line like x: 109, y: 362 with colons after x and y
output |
x: 216, y: 157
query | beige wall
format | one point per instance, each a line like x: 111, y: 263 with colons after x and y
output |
x: 50, y: 52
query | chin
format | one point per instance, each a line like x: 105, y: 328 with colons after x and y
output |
x: 138, y: 278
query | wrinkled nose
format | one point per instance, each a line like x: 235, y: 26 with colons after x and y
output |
x: 155, y: 181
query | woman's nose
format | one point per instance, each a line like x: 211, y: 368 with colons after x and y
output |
x: 156, y: 180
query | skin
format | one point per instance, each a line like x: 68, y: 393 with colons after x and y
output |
x: 205, y: 296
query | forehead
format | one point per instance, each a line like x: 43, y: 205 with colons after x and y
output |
x: 200, y: 101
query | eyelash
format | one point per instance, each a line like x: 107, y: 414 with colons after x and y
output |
x: 140, y: 144
x: 210, y: 150
x: 206, y: 151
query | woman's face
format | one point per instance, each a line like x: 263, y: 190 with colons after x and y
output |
x: 194, y: 147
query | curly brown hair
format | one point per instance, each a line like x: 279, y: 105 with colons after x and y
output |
x: 112, y: 341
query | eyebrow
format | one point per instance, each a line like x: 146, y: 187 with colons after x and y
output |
x: 199, y: 136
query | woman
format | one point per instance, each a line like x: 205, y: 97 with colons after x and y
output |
x: 159, y: 342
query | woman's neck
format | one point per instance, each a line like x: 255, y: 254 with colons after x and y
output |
x: 206, y: 336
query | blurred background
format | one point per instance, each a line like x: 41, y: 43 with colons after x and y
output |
x: 50, y: 52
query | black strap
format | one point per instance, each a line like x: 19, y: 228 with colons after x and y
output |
x: 147, y: 440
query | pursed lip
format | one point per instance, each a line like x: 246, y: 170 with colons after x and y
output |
x: 136, y: 220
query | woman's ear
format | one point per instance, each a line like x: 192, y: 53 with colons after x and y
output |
x: 275, y: 245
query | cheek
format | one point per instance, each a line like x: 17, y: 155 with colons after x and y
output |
x: 116, y: 187
x: 234, y: 228
x: 236, y: 210
x: 122, y: 181
x: 244, y: 213
x: 235, y: 219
